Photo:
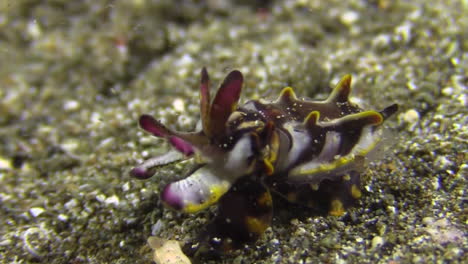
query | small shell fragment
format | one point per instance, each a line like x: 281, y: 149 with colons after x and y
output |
x: 167, y: 251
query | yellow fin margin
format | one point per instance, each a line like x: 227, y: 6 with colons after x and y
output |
x: 216, y: 192
x: 287, y: 94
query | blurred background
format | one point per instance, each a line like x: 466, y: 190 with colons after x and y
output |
x: 75, y: 76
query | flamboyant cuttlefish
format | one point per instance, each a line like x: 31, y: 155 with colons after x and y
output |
x: 309, y: 152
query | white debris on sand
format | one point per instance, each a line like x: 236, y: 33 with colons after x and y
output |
x: 167, y: 251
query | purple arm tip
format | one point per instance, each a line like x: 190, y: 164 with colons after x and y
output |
x: 151, y: 125
x: 141, y: 173
x: 171, y: 199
